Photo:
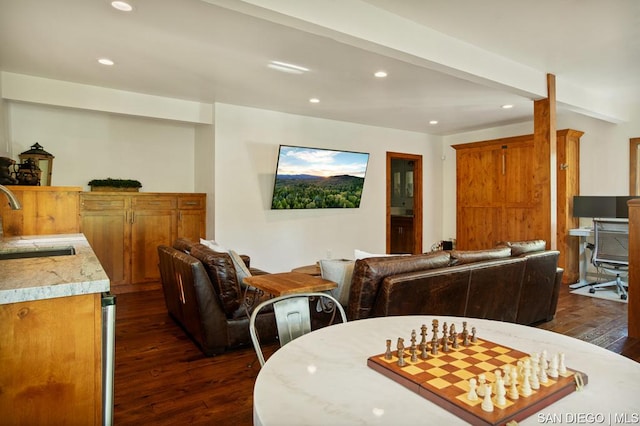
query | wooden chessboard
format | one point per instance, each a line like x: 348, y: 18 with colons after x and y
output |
x: 444, y: 380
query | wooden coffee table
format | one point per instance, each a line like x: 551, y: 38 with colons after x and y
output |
x: 309, y: 270
x: 289, y: 283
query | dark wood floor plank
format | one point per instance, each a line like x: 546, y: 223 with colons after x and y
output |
x: 162, y: 378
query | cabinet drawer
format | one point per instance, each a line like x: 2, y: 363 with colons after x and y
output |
x: 153, y: 203
x: 103, y: 203
x: 195, y: 203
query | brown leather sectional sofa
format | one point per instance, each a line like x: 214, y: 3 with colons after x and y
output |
x: 203, y: 296
x: 515, y: 282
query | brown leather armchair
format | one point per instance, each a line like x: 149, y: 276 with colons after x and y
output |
x: 203, y: 296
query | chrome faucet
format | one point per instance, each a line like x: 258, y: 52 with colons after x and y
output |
x: 13, y: 203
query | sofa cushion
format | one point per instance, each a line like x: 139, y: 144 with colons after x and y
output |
x: 183, y: 244
x: 523, y: 247
x: 213, y: 245
x: 242, y: 271
x: 461, y: 257
x: 369, y: 273
x: 222, y: 274
x: 339, y: 271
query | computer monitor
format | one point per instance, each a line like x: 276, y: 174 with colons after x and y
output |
x: 601, y: 206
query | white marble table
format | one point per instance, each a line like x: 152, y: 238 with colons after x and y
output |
x: 322, y: 378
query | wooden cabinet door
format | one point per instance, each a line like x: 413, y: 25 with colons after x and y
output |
x: 521, y: 204
x: 402, y: 235
x: 150, y: 228
x: 50, y: 356
x: 105, y: 224
x: 192, y: 216
x: 45, y: 210
x: 480, y: 194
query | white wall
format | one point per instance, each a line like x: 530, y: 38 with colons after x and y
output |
x: 247, y: 141
x: 89, y: 145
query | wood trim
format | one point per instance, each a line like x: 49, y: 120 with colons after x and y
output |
x: 633, y: 310
x: 633, y: 166
x: 417, y: 199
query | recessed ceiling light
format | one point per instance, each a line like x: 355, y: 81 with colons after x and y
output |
x: 507, y: 106
x: 286, y: 67
x: 380, y: 74
x: 314, y: 100
x: 433, y: 122
x: 106, y: 61
x: 122, y: 5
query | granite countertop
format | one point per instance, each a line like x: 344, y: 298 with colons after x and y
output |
x: 39, y: 278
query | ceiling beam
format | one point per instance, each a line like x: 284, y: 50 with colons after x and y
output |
x: 363, y: 25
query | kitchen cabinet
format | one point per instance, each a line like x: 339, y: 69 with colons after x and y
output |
x: 50, y: 355
x: 45, y: 210
x: 401, y: 234
x: 125, y: 230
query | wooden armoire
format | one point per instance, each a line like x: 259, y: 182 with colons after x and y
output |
x: 505, y: 191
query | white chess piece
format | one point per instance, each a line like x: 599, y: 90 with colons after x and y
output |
x: 481, y: 384
x: 498, y: 378
x: 525, y: 389
x: 487, y: 404
x: 472, y: 395
x: 513, y: 390
x: 535, y: 382
x: 562, y: 368
x: 500, y: 393
x: 506, y: 377
x: 543, y: 375
x: 544, y: 363
x: 553, y: 367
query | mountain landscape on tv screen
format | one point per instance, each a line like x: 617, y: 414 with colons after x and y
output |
x: 316, y: 192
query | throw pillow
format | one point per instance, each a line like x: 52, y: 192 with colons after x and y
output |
x: 242, y: 271
x: 339, y: 271
x: 460, y: 257
x: 213, y: 245
x: 523, y: 247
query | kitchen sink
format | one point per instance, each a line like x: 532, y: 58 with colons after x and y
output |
x: 27, y: 253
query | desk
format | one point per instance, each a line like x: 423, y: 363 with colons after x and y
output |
x: 583, y: 233
x: 322, y: 378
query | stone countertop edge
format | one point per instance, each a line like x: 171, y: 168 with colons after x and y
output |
x: 23, y: 280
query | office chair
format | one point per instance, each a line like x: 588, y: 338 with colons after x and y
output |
x: 611, y: 252
x: 293, y: 317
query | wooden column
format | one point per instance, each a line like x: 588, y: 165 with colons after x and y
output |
x: 545, y: 148
x: 634, y: 269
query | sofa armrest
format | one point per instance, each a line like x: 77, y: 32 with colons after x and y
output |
x: 191, y: 299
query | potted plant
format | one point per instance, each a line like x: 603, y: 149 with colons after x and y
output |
x: 109, y: 184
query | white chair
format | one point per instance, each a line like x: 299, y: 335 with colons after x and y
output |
x: 293, y: 317
x: 611, y: 253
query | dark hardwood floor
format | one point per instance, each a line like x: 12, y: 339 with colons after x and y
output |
x: 162, y: 378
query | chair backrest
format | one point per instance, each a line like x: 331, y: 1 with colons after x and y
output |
x: 611, y: 243
x: 293, y: 317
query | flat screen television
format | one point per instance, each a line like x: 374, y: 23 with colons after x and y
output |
x: 316, y: 178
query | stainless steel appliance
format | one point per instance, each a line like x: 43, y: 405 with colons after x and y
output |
x: 108, y: 355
